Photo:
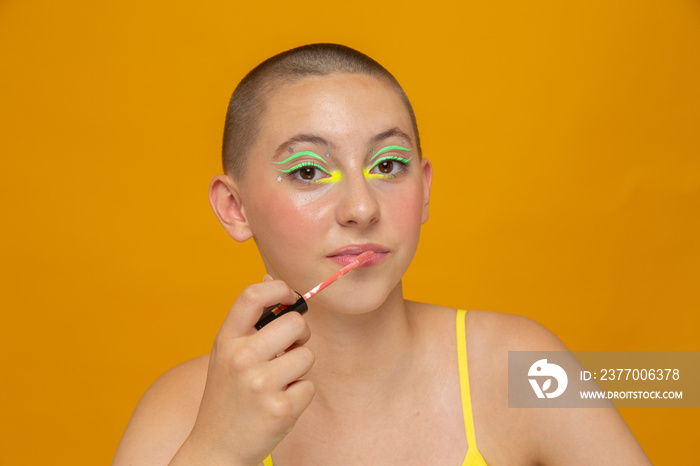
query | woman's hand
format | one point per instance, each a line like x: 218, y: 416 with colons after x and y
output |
x: 253, y: 394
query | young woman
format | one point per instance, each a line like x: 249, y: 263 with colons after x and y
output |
x: 322, y: 162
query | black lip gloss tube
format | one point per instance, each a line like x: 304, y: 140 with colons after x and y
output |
x: 273, y: 312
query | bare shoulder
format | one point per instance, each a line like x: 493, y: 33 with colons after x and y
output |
x: 510, y: 332
x: 164, y: 416
x: 534, y: 436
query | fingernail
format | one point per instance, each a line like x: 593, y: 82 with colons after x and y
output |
x: 267, y: 278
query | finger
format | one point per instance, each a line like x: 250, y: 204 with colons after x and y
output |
x: 300, y: 394
x: 249, y: 305
x: 288, y: 331
x: 291, y: 366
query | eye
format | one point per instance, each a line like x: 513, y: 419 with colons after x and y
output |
x: 389, y: 166
x: 307, y: 172
x: 386, y: 167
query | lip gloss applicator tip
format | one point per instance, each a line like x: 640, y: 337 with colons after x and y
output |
x: 273, y: 312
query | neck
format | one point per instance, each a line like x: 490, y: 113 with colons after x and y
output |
x: 361, y: 353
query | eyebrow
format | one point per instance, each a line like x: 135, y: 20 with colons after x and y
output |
x: 390, y: 133
x: 311, y: 138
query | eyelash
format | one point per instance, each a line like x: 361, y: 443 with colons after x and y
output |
x: 404, y: 165
x: 292, y: 172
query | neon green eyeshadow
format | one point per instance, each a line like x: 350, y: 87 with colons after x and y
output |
x: 384, y: 149
x: 307, y: 153
x: 305, y: 164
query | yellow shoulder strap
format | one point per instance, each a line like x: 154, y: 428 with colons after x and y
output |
x: 464, y: 382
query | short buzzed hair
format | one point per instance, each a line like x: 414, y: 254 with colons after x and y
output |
x: 248, y: 104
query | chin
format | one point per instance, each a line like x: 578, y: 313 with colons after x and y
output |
x: 357, y: 299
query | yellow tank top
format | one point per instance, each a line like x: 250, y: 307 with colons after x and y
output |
x: 473, y: 457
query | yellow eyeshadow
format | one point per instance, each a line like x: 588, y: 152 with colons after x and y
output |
x: 335, y: 176
x: 376, y: 176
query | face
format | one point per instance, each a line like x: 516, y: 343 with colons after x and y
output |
x: 334, y: 173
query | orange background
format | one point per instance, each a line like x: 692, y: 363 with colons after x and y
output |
x: 563, y: 135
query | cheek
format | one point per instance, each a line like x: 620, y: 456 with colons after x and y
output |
x: 405, y: 212
x: 292, y: 220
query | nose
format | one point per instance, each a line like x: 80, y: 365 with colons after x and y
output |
x: 358, y: 206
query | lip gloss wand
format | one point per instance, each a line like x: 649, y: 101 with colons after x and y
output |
x: 273, y: 312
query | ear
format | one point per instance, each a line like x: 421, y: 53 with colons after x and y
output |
x: 427, y: 181
x: 225, y: 199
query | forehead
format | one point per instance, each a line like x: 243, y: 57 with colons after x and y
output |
x: 342, y: 108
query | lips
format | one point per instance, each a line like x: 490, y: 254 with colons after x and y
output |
x: 347, y: 254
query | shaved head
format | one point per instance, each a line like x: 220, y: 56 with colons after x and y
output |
x: 249, y: 101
